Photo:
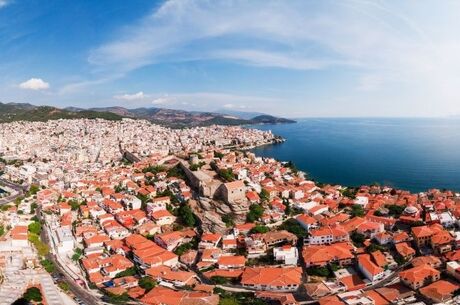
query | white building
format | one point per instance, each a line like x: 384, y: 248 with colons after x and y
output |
x: 453, y: 268
x: 287, y: 254
x: 64, y: 241
x: 370, y: 270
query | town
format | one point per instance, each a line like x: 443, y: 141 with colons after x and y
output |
x: 97, y: 211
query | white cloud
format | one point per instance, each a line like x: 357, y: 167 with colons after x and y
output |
x: 3, y: 3
x: 163, y: 100
x: 382, y: 51
x: 131, y: 97
x: 34, y: 84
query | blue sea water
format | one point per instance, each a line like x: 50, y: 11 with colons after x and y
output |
x: 411, y: 154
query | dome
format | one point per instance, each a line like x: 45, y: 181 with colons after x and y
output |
x: 410, y: 210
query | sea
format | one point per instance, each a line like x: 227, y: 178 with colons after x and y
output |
x: 414, y: 154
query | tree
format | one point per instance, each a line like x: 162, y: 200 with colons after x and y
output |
x: 227, y: 174
x: 259, y: 229
x: 130, y: 271
x: 48, y: 265
x: 292, y: 226
x: 395, y: 210
x: 264, y: 195
x: 147, y: 283
x: 349, y: 192
x: 187, y: 216
x: 64, y: 286
x: 230, y: 300
x: 154, y: 169
x: 228, y: 220
x: 34, y: 189
x: 183, y: 248
x: 33, y: 207
x: 357, y: 210
x: 176, y: 171
x: 255, y: 212
x: 118, y: 299
x: 218, y: 155
x: 318, y: 271
x: 77, y: 254
x: 33, y: 294
x: 2, y: 230
x: 358, y: 238
x: 219, y: 280
x: 74, y: 205
x: 35, y: 227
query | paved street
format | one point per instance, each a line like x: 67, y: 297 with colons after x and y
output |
x: 75, y: 288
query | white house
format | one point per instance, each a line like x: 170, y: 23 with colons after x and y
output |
x: 289, y: 255
x: 370, y: 270
x: 64, y: 240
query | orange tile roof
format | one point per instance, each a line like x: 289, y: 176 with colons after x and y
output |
x: 439, y: 291
x: 422, y: 231
x: 379, y: 258
x: 326, y: 253
x: 419, y: 273
x: 365, y: 262
x: 404, y: 249
x: 272, y: 276
x: 236, y: 260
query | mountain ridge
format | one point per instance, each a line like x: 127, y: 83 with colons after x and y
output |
x: 167, y: 117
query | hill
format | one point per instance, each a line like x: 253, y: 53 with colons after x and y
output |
x: 166, y: 117
x: 27, y: 112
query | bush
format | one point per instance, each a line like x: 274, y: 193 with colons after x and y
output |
x: 259, y: 229
x: 292, y: 226
x: 48, y: 265
x: 228, y: 220
x: 33, y: 190
x: 33, y: 294
x: 395, y: 210
x: 358, y: 238
x: 41, y: 247
x: 264, y: 195
x: 357, y: 210
x: 227, y: 174
x: 64, y: 286
x: 154, y: 169
x: 128, y: 272
x: 219, y: 280
x: 319, y: 271
x: 35, y: 227
x: 147, y: 283
x: 187, y: 216
x: 255, y: 212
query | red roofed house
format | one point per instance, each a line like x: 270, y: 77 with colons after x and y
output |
x: 419, y: 276
x: 272, y: 278
x: 231, y: 262
x: 372, y: 272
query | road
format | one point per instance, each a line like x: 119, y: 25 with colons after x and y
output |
x: 84, y: 295
x: 18, y: 188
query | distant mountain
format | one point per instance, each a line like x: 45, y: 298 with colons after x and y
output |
x: 269, y: 119
x: 26, y: 112
x: 240, y: 114
x: 167, y: 117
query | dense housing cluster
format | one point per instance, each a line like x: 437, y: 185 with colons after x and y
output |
x: 193, y: 218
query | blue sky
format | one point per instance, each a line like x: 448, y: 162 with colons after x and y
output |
x: 292, y: 58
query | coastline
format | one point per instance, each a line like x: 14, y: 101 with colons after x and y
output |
x: 397, y: 153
